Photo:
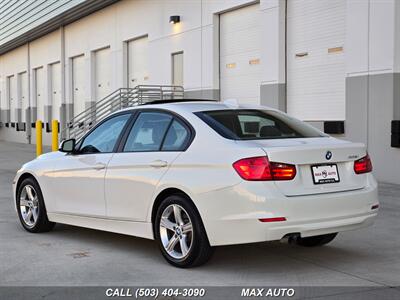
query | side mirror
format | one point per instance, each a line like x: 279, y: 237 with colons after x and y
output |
x: 68, y: 146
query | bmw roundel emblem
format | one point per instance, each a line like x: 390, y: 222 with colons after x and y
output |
x: 328, y: 155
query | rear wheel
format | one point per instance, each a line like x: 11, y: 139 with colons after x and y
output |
x: 30, y: 206
x: 314, y: 241
x: 180, y: 233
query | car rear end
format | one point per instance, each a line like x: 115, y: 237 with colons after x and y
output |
x: 344, y: 197
x: 306, y: 184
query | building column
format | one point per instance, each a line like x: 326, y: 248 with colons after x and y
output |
x: 372, y: 80
x: 273, y: 54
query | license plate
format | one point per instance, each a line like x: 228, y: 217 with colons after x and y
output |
x: 325, y: 174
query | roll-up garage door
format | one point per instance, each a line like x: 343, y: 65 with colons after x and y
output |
x: 138, y: 62
x: 24, y: 100
x: 78, y: 84
x: 40, y: 93
x: 240, y: 64
x: 55, y: 76
x: 102, y: 73
x: 12, y: 98
x: 315, y: 59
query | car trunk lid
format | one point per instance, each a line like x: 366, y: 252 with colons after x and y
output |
x: 305, y: 153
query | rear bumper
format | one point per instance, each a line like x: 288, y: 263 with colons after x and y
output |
x: 320, y: 227
x: 231, y: 216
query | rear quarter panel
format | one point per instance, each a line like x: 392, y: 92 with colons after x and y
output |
x: 204, y: 167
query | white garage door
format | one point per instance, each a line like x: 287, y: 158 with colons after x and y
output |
x: 78, y: 84
x: 138, y: 62
x: 102, y: 73
x: 24, y: 100
x: 12, y: 98
x: 240, y: 65
x: 315, y: 59
x: 40, y: 93
x: 55, y: 70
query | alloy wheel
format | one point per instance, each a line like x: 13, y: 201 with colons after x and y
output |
x: 29, y: 206
x: 176, y: 231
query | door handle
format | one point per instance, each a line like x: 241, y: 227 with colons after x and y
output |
x: 159, y: 163
x: 99, y: 166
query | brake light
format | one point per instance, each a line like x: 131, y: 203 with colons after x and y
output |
x: 363, y: 165
x: 261, y: 169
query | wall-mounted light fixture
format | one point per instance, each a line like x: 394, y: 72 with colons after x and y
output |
x: 174, y: 19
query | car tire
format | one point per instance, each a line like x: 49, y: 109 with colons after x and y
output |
x: 31, y: 208
x: 181, y: 245
x: 315, y: 241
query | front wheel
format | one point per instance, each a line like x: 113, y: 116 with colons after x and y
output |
x: 31, y: 209
x: 314, y: 241
x: 180, y: 233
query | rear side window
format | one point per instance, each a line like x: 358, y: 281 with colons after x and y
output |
x: 177, y: 137
x: 148, y: 132
x: 257, y: 124
x: 157, y: 131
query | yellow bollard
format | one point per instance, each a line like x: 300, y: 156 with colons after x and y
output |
x: 39, y: 148
x: 54, y: 135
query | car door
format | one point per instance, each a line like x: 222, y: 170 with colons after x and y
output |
x: 77, y: 181
x: 154, y: 141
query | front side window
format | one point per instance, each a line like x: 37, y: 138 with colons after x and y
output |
x: 147, y: 134
x: 104, y: 137
x: 253, y: 124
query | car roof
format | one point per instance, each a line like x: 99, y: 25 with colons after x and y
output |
x: 193, y: 105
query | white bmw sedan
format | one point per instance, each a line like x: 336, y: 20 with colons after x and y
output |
x: 199, y: 174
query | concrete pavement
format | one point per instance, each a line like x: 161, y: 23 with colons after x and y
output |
x: 76, y: 256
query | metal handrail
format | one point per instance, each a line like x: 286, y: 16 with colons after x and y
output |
x: 117, y: 100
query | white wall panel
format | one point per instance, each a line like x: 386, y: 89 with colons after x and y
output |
x: 211, y: 7
x: 372, y: 31
x: 240, y: 63
x: 45, y: 50
x: 316, y: 81
x: 382, y: 32
x: 14, y: 62
x: 397, y: 38
x: 357, y: 36
x: 160, y: 55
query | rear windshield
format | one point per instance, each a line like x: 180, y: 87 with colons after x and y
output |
x: 257, y: 124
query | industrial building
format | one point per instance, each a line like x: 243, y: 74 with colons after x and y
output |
x: 332, y: 63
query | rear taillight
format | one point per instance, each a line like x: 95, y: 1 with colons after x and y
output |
x: 261, y: 169
x: 363, y: 165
